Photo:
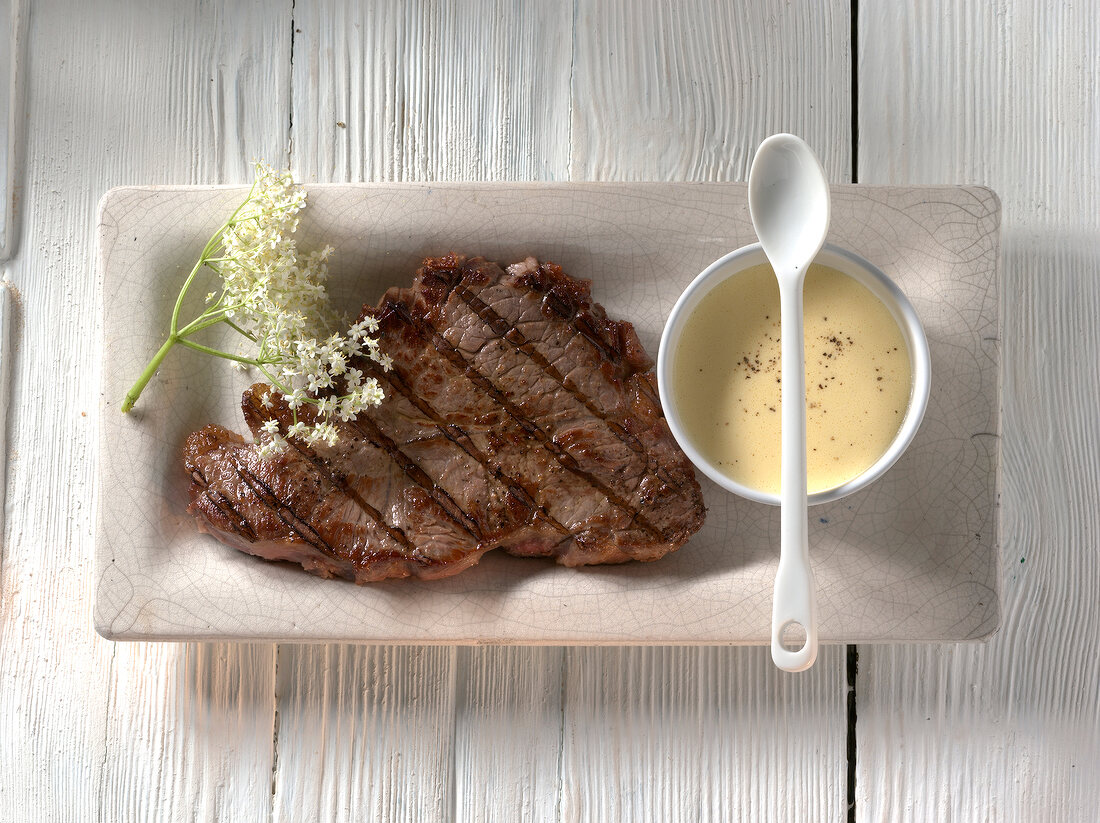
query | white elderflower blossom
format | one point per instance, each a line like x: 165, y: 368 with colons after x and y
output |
x: 369, y: 394
x: 337, y: 363
x: 274, y: 446
x: 275, y: 298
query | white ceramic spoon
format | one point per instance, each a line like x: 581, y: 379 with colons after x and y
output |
x: 789, y: 204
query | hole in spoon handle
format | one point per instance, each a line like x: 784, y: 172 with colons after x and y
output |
x: 794, y: 605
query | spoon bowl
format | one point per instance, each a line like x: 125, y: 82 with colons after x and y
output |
x: 788, y: 202
x: 789, y: 205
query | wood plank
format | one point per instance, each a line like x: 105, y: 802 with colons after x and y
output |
x: 702, y: 734
x: 13, y: 62
x: 167, y: 92
x: 417, y: 733
x: 364, y: 733
x: 1003, y: 95
x: 427, y: 90
x: 189, y: 733
x: 687, y: 91
x: 508, y: 734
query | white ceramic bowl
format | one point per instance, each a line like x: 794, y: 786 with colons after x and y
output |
x: 854, y: 266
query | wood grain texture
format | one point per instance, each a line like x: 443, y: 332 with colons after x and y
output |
x: 687, y: 91
x: 364, y: 733
x: 189, y: 733
x: 702, y: 735
x: 1005, y: 95
x: 13, y: 20
x: 508, y: 734
x: 405, y: 733
x: 161, y: 92
x: 429, y: 90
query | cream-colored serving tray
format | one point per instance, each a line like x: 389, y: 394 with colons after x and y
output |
x: 915, y: 557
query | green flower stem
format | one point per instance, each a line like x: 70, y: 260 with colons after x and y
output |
x: 200, y: 323
x: 147, y: 375
x: 280, y: 386
x: 183, y: 341
x: 210, y: 317
x: 183, y: 292
x: 203, y: 321
x: 238, y: 329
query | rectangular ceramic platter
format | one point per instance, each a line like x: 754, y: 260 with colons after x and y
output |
x: 914, y: 557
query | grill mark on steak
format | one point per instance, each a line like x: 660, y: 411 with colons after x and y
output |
x: 234, y: 518
x: 507, y: 331
x: 377, y: 438
x: 271, y: 501
x: 429, y: 333
x: 455, y: 434
x: 546, y: 280
x: 570, y: 312
x: 457, y: 289
x: 395, y: 533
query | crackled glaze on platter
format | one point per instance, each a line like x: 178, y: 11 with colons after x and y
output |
x: 913, y: 557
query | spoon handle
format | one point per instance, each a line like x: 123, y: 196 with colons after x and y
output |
x: 794, y: 600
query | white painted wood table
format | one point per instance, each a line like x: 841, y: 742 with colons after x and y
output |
x: 1002, y: 94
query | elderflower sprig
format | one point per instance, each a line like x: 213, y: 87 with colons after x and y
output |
x: 275, y: 298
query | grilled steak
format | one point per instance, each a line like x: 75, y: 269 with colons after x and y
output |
x: 517, y: 416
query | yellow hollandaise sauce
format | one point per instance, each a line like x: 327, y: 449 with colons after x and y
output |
x: 728, y: 371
